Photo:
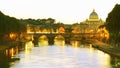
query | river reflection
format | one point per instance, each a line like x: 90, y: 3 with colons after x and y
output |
x: 43, y: 43
x: 75, y: 44
x: 11, y: 52
x: 59, y: 42
x: 61, y: 55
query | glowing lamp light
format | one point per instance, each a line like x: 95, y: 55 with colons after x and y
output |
x: 12, y: 35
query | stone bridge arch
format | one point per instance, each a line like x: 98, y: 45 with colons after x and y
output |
x: 51, y: 38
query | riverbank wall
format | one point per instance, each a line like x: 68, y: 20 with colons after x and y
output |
x: 113, y: 51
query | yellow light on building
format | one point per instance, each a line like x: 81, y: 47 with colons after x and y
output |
x: 28, y: 28
x: 104, y: 34
x: 61, y: 30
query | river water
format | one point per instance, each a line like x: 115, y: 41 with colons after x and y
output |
x: 61, y: 55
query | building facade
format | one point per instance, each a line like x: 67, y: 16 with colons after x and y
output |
x: 91, y: 25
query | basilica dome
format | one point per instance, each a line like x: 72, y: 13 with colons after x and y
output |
x: 93, y: 15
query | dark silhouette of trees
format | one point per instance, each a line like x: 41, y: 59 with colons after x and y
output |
x: 50, y: 20
x: 38, y: 21
x: 113, y: 24
x: 42, y: 23
x: 9, y: 25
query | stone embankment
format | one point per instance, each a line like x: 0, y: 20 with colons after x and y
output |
x: 113, y: 51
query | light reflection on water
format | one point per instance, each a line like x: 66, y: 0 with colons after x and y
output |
x: 65, y: 56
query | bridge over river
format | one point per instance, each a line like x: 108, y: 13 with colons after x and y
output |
x: 64, y: 36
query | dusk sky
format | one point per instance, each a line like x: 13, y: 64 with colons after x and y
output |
x: 65, y: 11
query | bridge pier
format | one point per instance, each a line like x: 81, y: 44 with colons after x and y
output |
x: 67, y: 40
x: 35, y: 41
x: 51, y: 40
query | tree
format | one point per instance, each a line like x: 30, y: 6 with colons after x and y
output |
x: 50, y: 20
x: 9, y: 25
x: 113, y: 23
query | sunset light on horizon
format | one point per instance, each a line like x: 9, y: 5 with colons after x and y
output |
x: 65, y: 11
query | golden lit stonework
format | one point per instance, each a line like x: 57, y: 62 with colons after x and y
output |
x: 92, y: 23
x: 61, y: 30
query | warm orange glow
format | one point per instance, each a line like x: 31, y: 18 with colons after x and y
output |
x: 11, y: 52
x: 106, y: 33
x: 29, y: 37
x: 13, y: 35
x: 6, y: 52
x: 103, y: 33
x: 76, y: 29
x: 28, y: 29
x: 61, y: 30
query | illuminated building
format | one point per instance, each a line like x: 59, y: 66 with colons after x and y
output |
x: 92, y: 23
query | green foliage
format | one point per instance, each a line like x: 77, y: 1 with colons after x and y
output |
x: 113, y: 23
x: 113, y: 20
x: 38, y: 21
x: 42, y: 23
x: 10, y: 24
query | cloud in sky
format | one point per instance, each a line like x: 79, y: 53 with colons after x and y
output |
x: 66, y: 11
